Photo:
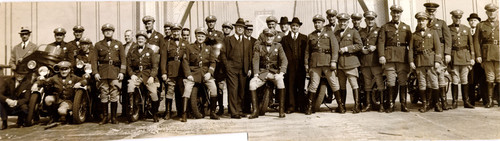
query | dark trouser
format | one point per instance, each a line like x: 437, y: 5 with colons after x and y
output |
x: 477, y: 76
x: 125, y: 97
x: 294, y: 85
x: 179, y: 91
x: 247, y: 99
x: 20, y: 110
x: 236, y: 83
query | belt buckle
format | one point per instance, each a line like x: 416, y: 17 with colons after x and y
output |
x: 110, y: 62
x: 140, y: 68
x: 495, y: 42
x: 398, y: 44
x: 176, y: 58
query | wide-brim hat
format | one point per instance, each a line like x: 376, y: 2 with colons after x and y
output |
x: 473, y: 16
x: 25, y: 30
x: 240, y: 22
x: 284, y: 20
x: 295, y: 20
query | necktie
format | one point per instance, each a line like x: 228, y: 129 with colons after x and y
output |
x: 24, y: 45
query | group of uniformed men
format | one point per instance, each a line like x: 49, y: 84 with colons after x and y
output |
x: 169, y: 66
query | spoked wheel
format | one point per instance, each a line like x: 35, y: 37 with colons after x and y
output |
x: 134, y: 114
x: 33, y: 109
x: 80, y: 107
x: 265, y: 99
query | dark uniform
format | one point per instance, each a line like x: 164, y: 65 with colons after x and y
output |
x: 294, y: 46
x: 170, y: 63
x: 76, y: 42
x: 82, y: 56
x: 462, y: 59
x: 486, y: 43
x: 321, y: 56
x: 66, y: 50
x: 425, y: 53
x: 236, y: 56
x: 349, y: 44
x: 330, y: 13
x: 279, y: 34
x: 370, y: 66
x: 393, y: 41
x: 106, y: 61
x: 14, y: 91
x: 445, y: 38
x: 269, y: 64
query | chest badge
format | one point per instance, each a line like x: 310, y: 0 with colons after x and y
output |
x: 275, y: 50
x: 215, y: 34
x: 206, y: 50
x: 147, y: 54
x: 156, y: 37
x: 182, y: 44
x: 437, y: 25
x: 404, y: 27
x: 429, y: 35
x: 64, y: 48
x: 116, y: 46
x: 348, y: 35
x: 69, y: 82
x: 465, y: 31
x: 376, y: 32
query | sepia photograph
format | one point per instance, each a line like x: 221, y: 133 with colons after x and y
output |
x: 249, y: 70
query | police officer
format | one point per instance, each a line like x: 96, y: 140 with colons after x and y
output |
x: 477, y: 76
x: 269, y: 64
x: 370, y: 66
x: 226, y: 29
x: 393, y: 40
x: 349, y: 43
x: 445, y: 37
x: 212, y: 32
x: 271, y: 24
x: 83, y: 56
x: 78, y: 33
x: 66, y: 50
x: 356, y: 25
x: 356, y: 21
x: 186, y: 33
x: 167, y: 27
x: 142, y: 67
x: 331, y: 15
x: 199, y: 65
x: 220, y: 74
x: 321, y: 56
x: 62, y: 88
x: 14, y: 96
x: 487, y: 49
x: 424, y: 55
x: 23, y: 49
x: 108, y: 64
x: 170, y: 63
x: 462, y: 58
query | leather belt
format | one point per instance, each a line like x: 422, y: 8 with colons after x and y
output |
x: 495, y: 42
x: 425, y: 51
x: 398, y: 44
x: 176, y: 58
x: 321, y: 50
x: 110, y: 62
x: 140, y: 68
x: 459, y: 48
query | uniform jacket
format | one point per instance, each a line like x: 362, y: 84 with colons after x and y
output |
x: 273, y: 61
x: 294, y: 51
x: 388, y: 39
x: 216, y: 34
x: 462, y: 48
x: 198, y: 61
x: 83, y: 55
x: 425, y: 50
x: 67, y: 51
x: 142, y: 64
x: 237, y: 55
x: 20, y: 93
x: 76, y: 44
x: 484, y: 41
x: 352, y: 41
x: 369, y: 38
x: 171, y: 57
x: 329, y: 27
x: 18, y: 53
x: 62, y: 88
x: 443, y: 32
x: 322, y: 49
x: 108, y: 61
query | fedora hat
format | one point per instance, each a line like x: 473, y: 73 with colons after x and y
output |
x: 240, y: 22
x: 295, y: 20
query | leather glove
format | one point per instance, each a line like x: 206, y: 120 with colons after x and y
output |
x: 447, y: 59
x: 34, y: 88
x: 437, y: 66
x: 207, y: 76
x: 472, y: 62
x: 280, y: 75
x: 382, y: 60
x: 77, y: 85
x: 479, y: 60
x: 164, y: 77
x: 412, y: 65
x: 134, y: 78
x: 372, y: 48
x: 190, y: 78
x: 151, y: 80
x: 333, y: 65
x: 120, y: 76
x: 97, y: 77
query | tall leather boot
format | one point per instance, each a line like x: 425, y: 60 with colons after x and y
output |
x: 185, y: 101
x: 443, y: 98
x: 155, y: 105
x: 491, y: 87
x: 309, y: 103
x: 392, y: 90
x: 472, y: 93
x: 423, y: 95
x: 497, y: 92
x: 368, y: 102
x: 339, y: 102
x: 437, y: 97
x: 454, y: 95
x: 220, y: 101
x: 465, y: 96
x: 281, y: 93
x: 114, y: 107
x: 104, y: 119
x: 355, y: 94
x: 344, y: 96
x: 430, y: 100
x: 381, y: 105
x: 168, y: 109
x: 402, y: 98
x: 4, y: 124
x: 213, y: 106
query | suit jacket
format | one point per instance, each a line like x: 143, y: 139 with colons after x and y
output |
x: 20, y: 93
x: 462, y: 48
x: 351, y: 40
x: 294, y: 51
x: 18, y: 53
x: 108, y: 61
x: 237, y: 55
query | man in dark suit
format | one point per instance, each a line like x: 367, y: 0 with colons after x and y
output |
x: 294, y: 45
x: 14, y: 96
x: 246, y: 104
x: 236, y: 56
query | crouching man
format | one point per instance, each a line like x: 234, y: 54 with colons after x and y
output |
x: 14, y: 96
x: 269, y: 64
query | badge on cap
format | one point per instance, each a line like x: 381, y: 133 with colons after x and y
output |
x: 326, y: 35
x: 404, y: 27
x: 147, y: 54
x: 69, y: 82
x: 116, y: 46
x: 24, y: 91
x: 276, y: 50
x: 182, y: 44
x: 156, y: 37
x: 465, y: 31
x: 437, y: 25
x: 206, y: 50
x: 376, y: 32
x: 348, y: 35
x: 429, y: 35
x: 64, y: 48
